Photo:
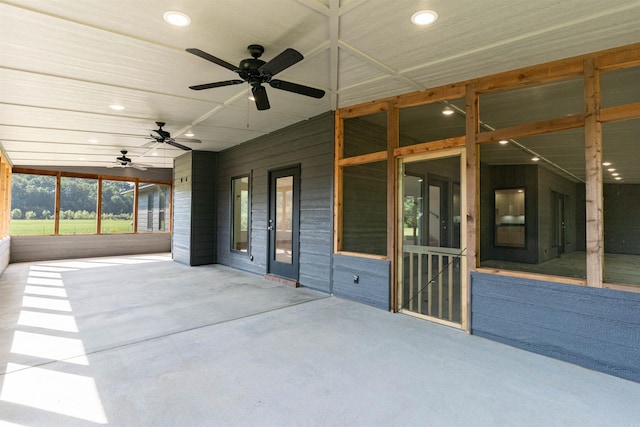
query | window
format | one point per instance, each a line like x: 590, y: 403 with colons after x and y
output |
x: 531, y: 103
x: 364, y: 211
x: 33, y: 204
x: 621, y: 191
x: 363, y: 191
x: 424, y: 123
x: 151, y: 207
x: 365, y: 135
x: 532, y: 204
x: 240, y: 214
x: 78, y: 204
x: 509, y: 217
x: 117, y: 207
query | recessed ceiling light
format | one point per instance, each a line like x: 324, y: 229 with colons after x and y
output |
x: 606, y: 164
x: 535, y: 159
x: 116, y: 107
x: 618, y: 178
x: 447, y: 111
x: 189, y: 134
x: 615, y: 174
x: 611, y: 169
x: 178, y: 19
x: 93, y: 141
x: 503, y: 141
x: 251, y: 98
x: 155, y: 153
x: 424, y: 17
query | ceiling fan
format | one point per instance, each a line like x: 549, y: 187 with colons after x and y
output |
x: 162, y: 136
x: 125, y: 162
x: 256, y: 72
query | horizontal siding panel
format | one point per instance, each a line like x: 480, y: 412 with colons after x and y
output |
x: 595, y: 328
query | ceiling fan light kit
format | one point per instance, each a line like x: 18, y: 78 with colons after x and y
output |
x: 256, y: 72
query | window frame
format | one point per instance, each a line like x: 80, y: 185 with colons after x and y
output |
x: 100, y: 178
x: 232, y: 212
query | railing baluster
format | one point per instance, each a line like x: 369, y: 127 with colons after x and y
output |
x: 429, y: 276
x: 419, y: 283
x: 411, y: 281
x: 440, y: 257
x: 451, y: 261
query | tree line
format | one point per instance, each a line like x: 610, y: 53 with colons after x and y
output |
x: 33, y: 197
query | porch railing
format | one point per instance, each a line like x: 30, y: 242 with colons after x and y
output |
x: 440, y: 269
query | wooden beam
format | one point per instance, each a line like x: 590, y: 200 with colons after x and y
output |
x: 426, y: 147
x: 363, y: 109
x: 56, y: 222
x: 363, y: 158
x: 537, y: 74
x: 429, y: 96
x: 621, y: 112
x: 593, y: 185
x: 614, y: 59
x: 537, y: 128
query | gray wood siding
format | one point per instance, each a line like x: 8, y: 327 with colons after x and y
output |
x: 194, y: 208
x: 42, y: 248
x: 374, y: 277
x: 595, y: 328
x: 309, y: 144
x: 5, y: 255
x: 181, y: 236
x: 203, y: 208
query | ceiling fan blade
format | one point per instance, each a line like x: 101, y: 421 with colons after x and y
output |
x: 177, y: 145
x: 216, y: 84
x: 284, y: 60
x: 189, y: 140
x: 260, y: 95
x: 138, y: 166
x: 296, y: 88
x: 211, y: 58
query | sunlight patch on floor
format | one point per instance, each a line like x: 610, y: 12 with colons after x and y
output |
x: 44, y: 332
x: 59, y: 392
x: 56, y: 322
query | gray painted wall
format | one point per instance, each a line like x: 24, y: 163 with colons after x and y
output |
x: 42, y: 248
x: 5, y: 245
x: 595, y: 328
x: 309, y: 144
x: 194, y: 208
x: 373, y: 280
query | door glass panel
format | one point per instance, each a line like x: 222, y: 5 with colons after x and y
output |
x: 284, y: 219
x: 432, y: 263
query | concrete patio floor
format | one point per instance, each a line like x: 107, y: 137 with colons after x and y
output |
x: 145, y: 341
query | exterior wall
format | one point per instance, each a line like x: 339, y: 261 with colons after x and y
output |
x: 5, y: 245
x: 372, y: 286
x: 194, y: 208
x: 42, y: 248
x: 182, y: 195
x: 309, y: 144
x: 595, y: 328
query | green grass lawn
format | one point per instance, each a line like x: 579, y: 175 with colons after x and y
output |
x: 23, y: 227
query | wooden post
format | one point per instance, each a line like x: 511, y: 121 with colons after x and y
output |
x: 392, y: 205
x: 593, y: 186
x: 472, y: 189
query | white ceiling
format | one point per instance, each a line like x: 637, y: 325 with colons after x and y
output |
x: 63, y: 62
